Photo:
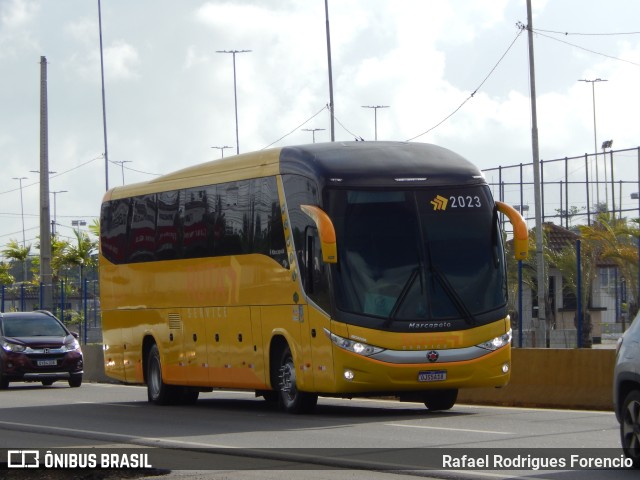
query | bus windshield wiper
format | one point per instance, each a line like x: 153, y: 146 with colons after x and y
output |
x: 403, y: 293
x: 449, y: 290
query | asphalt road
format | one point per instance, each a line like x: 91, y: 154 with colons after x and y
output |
x: 235, y: 435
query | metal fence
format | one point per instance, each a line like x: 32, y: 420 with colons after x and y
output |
x: 76, y: 304
x: 573, y: 189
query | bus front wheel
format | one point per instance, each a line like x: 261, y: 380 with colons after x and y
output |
x: 290, y: 399
x: 438, y: 400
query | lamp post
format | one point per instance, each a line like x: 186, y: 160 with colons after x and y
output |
x: 375, y: 116
x: 78, y: 224
x: 608, y: 144
x: 24, y: 241
x: 595, y: 135
x: 235, y: 94
x: 221, y: 150
x: 55, y: 211
x: 313, y: 132
x: 121, y: 163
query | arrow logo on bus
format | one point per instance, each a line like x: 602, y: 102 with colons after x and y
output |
x: 439, y: 203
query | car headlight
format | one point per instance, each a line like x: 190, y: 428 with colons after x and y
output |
x: 13, y: 347
x: 497, y: 342
x: 618, y: 345
x: 72, y: 345
x: 353, y: 346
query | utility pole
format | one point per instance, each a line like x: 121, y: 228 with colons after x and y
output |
x: 375, y: 116
x: 46, y: 276
x: 331, y: 105
x: 313, y: 132
x: 540, y: 267
x: 235, y: 94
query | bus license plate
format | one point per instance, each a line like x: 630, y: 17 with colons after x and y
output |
x: 47, y: 363
x: 432, y: 376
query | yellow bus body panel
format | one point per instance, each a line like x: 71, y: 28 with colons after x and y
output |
x: 217, y: 340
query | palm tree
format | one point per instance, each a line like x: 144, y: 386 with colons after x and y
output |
x: 17, y: 253
x: 81, y: 254
x: 615, y: 240
x: 5, y: 274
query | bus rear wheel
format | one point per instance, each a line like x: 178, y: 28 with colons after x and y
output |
x: 290, y: 399
x: 439, y: 400
x: 158, y: 392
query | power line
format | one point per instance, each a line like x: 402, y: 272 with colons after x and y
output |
x: 297, y: 128
x: 521, y: 28
x: 604, y: 34
x: 539, y: 32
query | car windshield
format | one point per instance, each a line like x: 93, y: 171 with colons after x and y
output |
x: 410, y: 255
x: 32, y: 327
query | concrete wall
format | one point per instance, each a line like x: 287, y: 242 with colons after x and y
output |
x: 552, y: 378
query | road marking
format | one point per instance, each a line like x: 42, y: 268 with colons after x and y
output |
x: 445, y: 428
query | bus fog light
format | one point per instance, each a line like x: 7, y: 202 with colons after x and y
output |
x: 505, y: 367
x: 348, y: 375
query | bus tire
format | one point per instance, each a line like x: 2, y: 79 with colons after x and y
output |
x: 158, y: 392
x: 290, y: 399
x: 439, y: 400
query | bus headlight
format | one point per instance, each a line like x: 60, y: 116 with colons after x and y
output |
x: 352, y: 346
x: 497, y: 342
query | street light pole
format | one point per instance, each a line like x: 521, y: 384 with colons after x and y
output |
x: 595, y: 136
x: 221, y: 150
x: 121, y: 163
x: 375, y: 116
x: 313, y: 132
x: 235, y: 94
x: 55, y: 211
x: 24, y: 242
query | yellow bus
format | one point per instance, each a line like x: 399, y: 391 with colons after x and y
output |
x: 338, y: 269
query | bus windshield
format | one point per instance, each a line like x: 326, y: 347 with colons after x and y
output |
x: 418, y: 255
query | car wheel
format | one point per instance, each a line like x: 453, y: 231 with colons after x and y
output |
x: 630, y: 427
x: 440, y: 400
x: 290, y: 399
x: 75, y: 381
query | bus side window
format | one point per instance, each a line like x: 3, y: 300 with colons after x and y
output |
x: 316, y: 282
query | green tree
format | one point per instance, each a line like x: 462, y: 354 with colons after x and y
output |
x: 5, y: 274
x: 81, y: 253
x: 616, y: 240
x: 17, y: 253
x: 58, y: 248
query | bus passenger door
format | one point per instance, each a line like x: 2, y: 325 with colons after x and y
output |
x: 316, y: 284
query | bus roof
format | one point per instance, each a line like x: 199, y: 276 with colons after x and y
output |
x: 362, y: 164
x: 380, y: 164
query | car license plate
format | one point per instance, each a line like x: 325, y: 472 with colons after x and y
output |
x: 47, y: 363
x: 432, y: 376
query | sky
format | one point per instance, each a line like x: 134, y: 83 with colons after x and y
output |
x: 451, y: 72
